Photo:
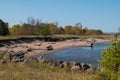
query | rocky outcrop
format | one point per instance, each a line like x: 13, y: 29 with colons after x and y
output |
x: 33, y: 62
x: 71, y: 65
x: 17, y: 56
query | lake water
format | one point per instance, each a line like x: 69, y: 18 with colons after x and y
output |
x: 80, y: 54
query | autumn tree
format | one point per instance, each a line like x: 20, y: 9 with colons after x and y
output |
x: 15, y: 29
x: 67, y: 29
x: 78, y: 28
x: 60, y: 30
x: 53, y: 28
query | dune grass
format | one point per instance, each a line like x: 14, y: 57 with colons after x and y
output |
x: 21, y: 71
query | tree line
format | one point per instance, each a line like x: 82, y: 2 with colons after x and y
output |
x: 36, y: 27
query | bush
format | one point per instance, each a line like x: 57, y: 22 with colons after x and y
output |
x: 110, y: 63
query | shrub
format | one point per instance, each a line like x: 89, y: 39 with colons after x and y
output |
x: 110, y: 63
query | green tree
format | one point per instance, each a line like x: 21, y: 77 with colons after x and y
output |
x: 45, y: 31
x: 3, y: 28
x: 110, y: 63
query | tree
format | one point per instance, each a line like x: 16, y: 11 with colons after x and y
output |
x: 110, y: 63
x: 3, y: 28
x: 60, y: 30
x: 84, y: 30
x: 53, y: 28
x: 15, y: 29
x: 45, y: 30
x: 67, y: 29
x: 78, y: 28
x: 93, y: 32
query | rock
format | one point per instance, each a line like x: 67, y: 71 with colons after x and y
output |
x: 49, y: 47
x: 17, y: 57
x: 53, y: 63
x: 87, y: 68
x: 29, y: 49
x: 65, y: 64
x: 75, y: 66
x: 91, y: 69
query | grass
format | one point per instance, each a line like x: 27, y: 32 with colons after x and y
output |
x: 60, y: 36
x: 22, y: 71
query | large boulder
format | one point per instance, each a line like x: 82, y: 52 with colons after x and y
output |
x: 64, y: 64
x: 87, y: 68
x: 75, y: 66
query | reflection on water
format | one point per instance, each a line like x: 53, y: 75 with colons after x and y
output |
x: 80, y: 54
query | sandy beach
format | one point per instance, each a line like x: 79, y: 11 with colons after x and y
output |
x: 39, y: 47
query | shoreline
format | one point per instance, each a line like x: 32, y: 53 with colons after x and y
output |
x: 68, y: 47
x: 40, y: 49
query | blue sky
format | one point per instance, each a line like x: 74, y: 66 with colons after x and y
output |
x: 94, y: 14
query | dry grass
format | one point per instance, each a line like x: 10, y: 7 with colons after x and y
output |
x: 60, y: 36
x: 12, y: 71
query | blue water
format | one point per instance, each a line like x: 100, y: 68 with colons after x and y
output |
x: 80, y: 54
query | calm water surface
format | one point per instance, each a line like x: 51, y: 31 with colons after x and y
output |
x: 80, y: 54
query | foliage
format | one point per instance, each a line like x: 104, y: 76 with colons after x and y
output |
x: 110, y: 63
x: 93, y: 32
x: 3, y: 28
x: 52, y: 28
x: 15, y: 29
x: 45, y: 31
x: 36, y: 27
x: 67, y: 29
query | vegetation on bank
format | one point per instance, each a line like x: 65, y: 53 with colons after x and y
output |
x: 36, y: 27
x: 109, y: 68
x: 33, y: 70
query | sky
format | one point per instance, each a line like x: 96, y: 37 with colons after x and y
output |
x: 94, y: 14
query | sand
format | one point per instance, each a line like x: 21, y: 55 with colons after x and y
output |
x: 40, y: 49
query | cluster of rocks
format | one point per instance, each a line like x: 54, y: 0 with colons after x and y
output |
x: 20, y: 57
x: 17, y: 57
x: 82, y: 67
x: 13, y: 57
